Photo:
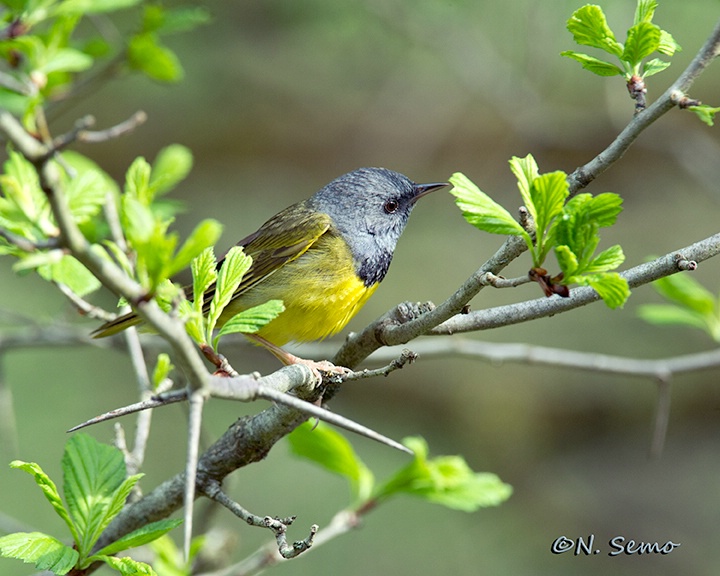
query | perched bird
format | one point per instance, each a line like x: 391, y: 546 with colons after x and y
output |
x: 323, y: 257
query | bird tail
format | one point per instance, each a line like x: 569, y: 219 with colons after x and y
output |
x: 116, y: 326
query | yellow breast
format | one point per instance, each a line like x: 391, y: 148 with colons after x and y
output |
x: 321, y: 292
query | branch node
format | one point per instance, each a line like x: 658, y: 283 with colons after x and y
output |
x: 685, y: 265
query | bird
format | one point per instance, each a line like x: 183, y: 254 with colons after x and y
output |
x: 323, y: 257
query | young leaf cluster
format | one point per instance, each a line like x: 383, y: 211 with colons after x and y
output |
x: 95, y: 485
x: 445, y: 480
x: 693, y: 305
x: 589, y: 27
x: 145, y: 219
x: 219, y: 287
x: 46, y: 43
x: 570, y: 229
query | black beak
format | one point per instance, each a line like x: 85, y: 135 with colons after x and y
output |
x: 425, y: 189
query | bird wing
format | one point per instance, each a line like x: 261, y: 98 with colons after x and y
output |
x: 282, y: 239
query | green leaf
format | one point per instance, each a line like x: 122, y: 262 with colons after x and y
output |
x: 137, y: 181
x: 70, y: 272
x: 643, y: 39
x: 525, y: 170
x: 607, y: 260
x: 38, y: 259
x: 137, y: 220
x: 233, y: 268
x: 604, y: 208
x: 205, y: 235
x: 171, y: 167
x: 45, y: 552
x: 184, y: 19
x: 204, y: 274
x: 567, y: 260
x: 590, y: 28
x: 652, y: 67
x: 610, y: 286
x: 645, y: 11
x: 481, y: 211
x: 86, y: 195
x: 94, y: 481
x: 127, y: 566
x: 92, y: 6
x: 139, y: 537
x: 163, y: 367
x: 146, y: 54
x: 548, y: 193
x: 67, y: 60
x: 446, y: 480
x: 594, y: 65
x: 251, y: 320
x: 49, y: 490
x: 332, y: 451
x: 679, y: 315
x: 683, y: 289
x: 668, y: 46
x: 670, y: 314
x: 705, y: 113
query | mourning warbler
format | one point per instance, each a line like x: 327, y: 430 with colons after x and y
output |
x: 323, y: 257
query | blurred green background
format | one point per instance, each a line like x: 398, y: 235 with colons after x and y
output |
x: 281, y: 97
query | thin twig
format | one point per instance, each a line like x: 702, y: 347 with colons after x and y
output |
x: 278, y: 526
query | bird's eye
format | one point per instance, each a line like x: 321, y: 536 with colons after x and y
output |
x: 391, y: 206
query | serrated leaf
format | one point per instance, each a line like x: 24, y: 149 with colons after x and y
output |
x: 607, y: 260
x: 446, y: 480
x: 171, y: 167
x: 644, y: 11
x: 705, y: 113
x: 482, y: 211
x: 548, y: 193
x: 652, y: 67
x: 70, y: 272
x: 50, y: 492
x: 233, y: 268
x: 204, y: 274
x: 610, y: 286
x: 590, y: 28
x: 163, y: 367
x: 604, y: 208
x: 45, y: 552
x: 92, y: 472
x: 525, y: 170
x: 668, y: 46
x: 86, y: 195
x: 204, y: 235
x: 594, y: 65
x: 139, y: 537
x: 683, y: 289
x: 643, y: 39
x: 332, y: 451
x: 251, y: 320
x: 127, y: 566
